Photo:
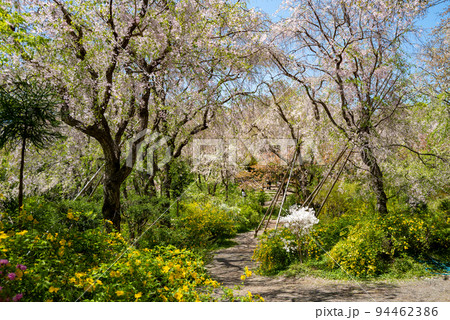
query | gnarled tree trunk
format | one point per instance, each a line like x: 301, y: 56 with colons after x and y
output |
x: 376, y: 177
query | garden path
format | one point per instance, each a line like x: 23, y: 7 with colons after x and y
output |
x: 228, y: 266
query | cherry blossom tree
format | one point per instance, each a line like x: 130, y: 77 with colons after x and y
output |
x: 346, y: 56
x: 126, y: 66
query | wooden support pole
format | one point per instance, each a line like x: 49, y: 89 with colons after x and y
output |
x: 315, y: 192
x: 334, y: 183
x: 89, y: 183
x: 286, y: 190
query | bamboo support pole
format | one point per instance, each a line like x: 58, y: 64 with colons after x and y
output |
x: 334, y: 182
x: 89, y: 183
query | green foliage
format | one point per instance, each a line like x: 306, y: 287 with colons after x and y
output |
x: 361, y: 253
x: 140, y: 212
x: 262, y: 198
x: 205, y: 223
x: 271, y: 253
x: 363, y: 244
x: 345, y: 198
x: 161, y: 274
x: 405, y: 267
x: 247, y: 218
x: 82, y: 263
x: 14, y: 34
x: 28, y: 112
x: 181, y: 177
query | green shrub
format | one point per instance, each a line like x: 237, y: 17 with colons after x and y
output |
x: 262, y: 198
x: 361, y: 252
x: 204, y: 224
x: 275, y: 251
x: 83, y: 264
x: 404, y: 267
x: 52, y: 257
x: 247, y: 219
x: 161, y: 274
x: 407, y: 233
x: 140, y: 212
x: 439, y: 227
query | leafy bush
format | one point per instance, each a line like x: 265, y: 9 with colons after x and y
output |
x: 247, y: 218
x: 205, y: 223
x: 161, y: 274
x: 360, y: 254
x: 51, y: 257
x: 140, y: 211
x: 275, y: 251
x: 91, y: 265
x: 262, y: 198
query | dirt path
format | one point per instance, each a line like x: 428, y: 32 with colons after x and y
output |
x: 228, y: 265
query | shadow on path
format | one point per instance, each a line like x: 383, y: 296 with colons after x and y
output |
x: 228, y: 266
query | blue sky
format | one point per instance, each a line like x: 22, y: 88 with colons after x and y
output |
x: 429, y: 21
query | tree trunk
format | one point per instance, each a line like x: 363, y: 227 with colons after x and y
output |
x: 111, y: 197
x: 22, y: 165
x: 376, y: 176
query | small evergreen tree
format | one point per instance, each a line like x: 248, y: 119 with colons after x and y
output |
x: 27, y: 116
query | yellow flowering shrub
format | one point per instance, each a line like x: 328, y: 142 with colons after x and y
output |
x: 158, y: 274
x: 205, y: 223
x: 360, y: 253
x: 275, y: 251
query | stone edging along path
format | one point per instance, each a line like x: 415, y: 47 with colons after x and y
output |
x: 228, y: 266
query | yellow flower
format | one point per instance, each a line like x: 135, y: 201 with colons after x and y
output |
x: 178, y: 295
x: 248, y: 273
x: 99, y: 282
x: 138, y: 262
x: 165, y: 269
x: 72, y: 280
x: 21, y: 233
x: 138, y: 295
x: 3, y: 235
x: 70, y: 215
x: 243, y: 277
x: 62, y: 242
x: 250, y: 294
x: 30, y: 217
x: 19, y: 273
x: 120, y: 293
x: 53, y: 289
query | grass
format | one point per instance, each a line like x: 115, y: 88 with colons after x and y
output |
x: 402, y: 268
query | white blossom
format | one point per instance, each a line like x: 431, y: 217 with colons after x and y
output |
x: 300, y: 220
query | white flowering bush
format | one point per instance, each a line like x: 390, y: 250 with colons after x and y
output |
x: 300, y: 220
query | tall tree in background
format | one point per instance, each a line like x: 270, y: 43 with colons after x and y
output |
x: 28, y: 112
x: 346, y: 56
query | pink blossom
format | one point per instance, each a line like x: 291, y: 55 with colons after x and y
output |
x: 3, y: 261
x: 21, y: 267
x: 11, y: 276
x: 17, y: 297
